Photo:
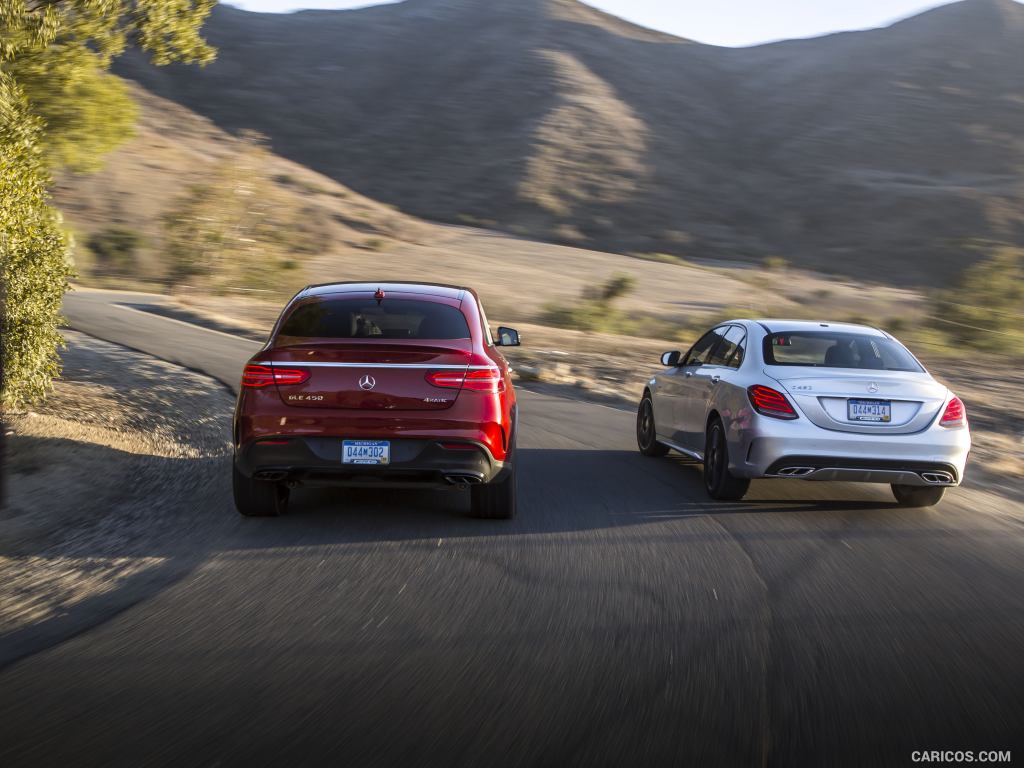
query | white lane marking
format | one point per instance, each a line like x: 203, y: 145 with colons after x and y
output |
x: 846, y: 545
x: 439, y: 542
x: 715, y: 593
x: 193, y: 326
x: 403, y: 588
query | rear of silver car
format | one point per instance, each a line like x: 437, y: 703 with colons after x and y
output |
x: 899, y: 427
x: 914, y: 446
x: 809, y: 401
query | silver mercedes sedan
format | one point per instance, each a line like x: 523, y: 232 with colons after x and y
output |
x: 807, y: 400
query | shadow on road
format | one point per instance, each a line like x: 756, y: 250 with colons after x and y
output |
x: 560, y: 491
x: 173, y: 507
x: 181, y: 511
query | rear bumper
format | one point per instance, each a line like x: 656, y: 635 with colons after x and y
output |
x: 774, y: 448
x: 921, y: 473
x: 414, y: 463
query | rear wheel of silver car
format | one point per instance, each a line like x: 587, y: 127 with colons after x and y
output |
x: 646, y: 431
x: 258, y: 498
x: 495, y: 500
x: 917, y: 496
x: 718, y: 480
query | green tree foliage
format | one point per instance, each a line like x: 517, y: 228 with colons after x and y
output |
x: 236, y: 229
x: 987, y: 310
x: 58, y: 52
x: 58, y: 106
x: 87, y: 113
x: 34, y: 268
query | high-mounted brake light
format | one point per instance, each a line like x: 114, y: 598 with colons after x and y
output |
x: 483, y: 380
x: 257, y: 376
x: 955, y: 414
x: 770, y: 402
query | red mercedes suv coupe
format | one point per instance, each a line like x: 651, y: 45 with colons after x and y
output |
x: 378, y: 384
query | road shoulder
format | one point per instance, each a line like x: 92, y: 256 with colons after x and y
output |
x: 103, y: 480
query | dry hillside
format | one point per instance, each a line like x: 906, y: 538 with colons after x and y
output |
x: 871, y: 153
x: 174, y: 148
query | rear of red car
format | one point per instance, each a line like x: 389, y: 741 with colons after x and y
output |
x: 377, y: 384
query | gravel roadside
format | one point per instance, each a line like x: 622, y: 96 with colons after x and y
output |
x: 105, y: 484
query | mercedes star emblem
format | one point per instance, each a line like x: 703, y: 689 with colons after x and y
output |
x: 367, y: 382
x: 872, y: 387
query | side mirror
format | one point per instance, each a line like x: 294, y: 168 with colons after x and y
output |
x: 671, y: 359
x: 508, y: 337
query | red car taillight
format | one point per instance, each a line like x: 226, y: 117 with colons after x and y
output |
x: 770, y: 402
x: 263, y: 376
x: 447, y: 379
x: 484, y: 380
x: 955, y: 414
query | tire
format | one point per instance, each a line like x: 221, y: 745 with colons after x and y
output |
x: 646, y: 431
x: 720, y: 483
x: 495, y: 500
x: 917, y: 496
x: 258, y: 498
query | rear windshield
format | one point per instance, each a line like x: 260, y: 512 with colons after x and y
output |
x: 828, y: 349
x: 370, y: 319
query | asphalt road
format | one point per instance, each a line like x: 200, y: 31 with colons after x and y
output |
x: 621, y: 619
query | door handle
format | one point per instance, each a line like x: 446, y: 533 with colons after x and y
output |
x: 716, y: 378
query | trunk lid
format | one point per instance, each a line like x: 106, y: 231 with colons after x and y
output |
x: 371, y: 376
x: 914, y: 398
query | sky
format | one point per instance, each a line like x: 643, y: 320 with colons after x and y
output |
x: 743, y: 22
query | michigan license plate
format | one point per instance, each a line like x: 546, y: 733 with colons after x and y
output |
x: 869, y: 410
x: 365, y: 452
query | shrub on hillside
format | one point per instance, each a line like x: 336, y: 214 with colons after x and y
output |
x: 595, y: 312
x: 115, y: 250
x: 987, y: 310
x: 234, y: 229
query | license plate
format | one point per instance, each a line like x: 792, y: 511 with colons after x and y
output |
x: 869, y: 410
x: 365, y: 452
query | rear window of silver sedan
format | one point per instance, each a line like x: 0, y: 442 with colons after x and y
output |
x: 833, y: 349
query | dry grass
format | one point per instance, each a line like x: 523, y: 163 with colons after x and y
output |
x: 175, y: 148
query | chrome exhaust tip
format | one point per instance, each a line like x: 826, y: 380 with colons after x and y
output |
x: 795, y: 471
x: 937, y: 478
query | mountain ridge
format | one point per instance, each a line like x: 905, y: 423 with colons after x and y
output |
x: 881, y: 149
